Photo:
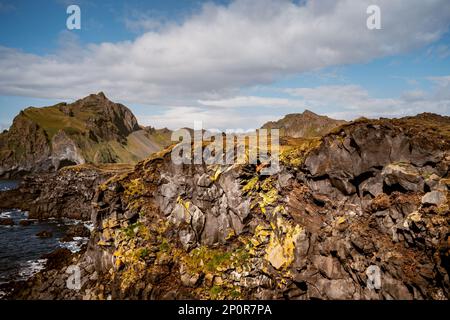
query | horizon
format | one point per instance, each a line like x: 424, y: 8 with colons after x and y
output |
x: 230, y: 64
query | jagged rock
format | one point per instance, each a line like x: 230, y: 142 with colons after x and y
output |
x: 57, y: 258
x: 432, y: 182
x: 77, y: 230
x: 402, y: 174
x: 198, y: 220
x: 373, y: 185
x: 6, y: 222
x: 394, y: 289
x: 69, y: 193
x: 189, y: 280
x: 25, y: 222
x: 278, y: 237
x: 329, y: 266
x: 336, y: 289
x: 44, y: 234
x: 204, y: 181
x: 187, y: 239
x: 436, y: 198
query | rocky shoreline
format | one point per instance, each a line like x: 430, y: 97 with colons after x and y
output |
x: 68, y: 193
x: 371, y: 195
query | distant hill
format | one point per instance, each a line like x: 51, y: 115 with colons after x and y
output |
x: 90, y: 130
x: 304, y: 125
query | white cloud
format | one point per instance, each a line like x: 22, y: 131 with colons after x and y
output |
x: 184, y: 116
x: 338, y: 94
x: 345, y: 102
x: 252, y: 101
x: 352, y: 101
x: 213, y: 54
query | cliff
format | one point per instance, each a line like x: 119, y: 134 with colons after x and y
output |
x: 370, y: 195
x: 67, y: 193
x: 90, y: 130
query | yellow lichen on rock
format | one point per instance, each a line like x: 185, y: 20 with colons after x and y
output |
x: 216, y: 175
x: 280, y: 251
x: 251, y: 185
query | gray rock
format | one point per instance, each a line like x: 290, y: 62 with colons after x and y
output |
x: 436, y: 198
x: 336, y: 289
x: 198, y: 220
x: 403, y: 174
x: 204, y: 181
x: 187, y: 238
x: 328, y: 266
x: 373, y: 185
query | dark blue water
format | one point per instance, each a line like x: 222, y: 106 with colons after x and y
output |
x: 8, y: 184
x: 20, y: 249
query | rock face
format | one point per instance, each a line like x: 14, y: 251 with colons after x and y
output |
x: 65, y: 194
x: 90, y: 130
x: 363, y: 214
x: 304, y: 125
x: 395, y: 155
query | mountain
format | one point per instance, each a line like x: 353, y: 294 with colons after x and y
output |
x: 360, y: 213
x: 304, y: 125
x: 90, y: 130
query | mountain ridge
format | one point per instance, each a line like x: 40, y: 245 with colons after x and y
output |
x: 304, y: 125
x: 90, y: 130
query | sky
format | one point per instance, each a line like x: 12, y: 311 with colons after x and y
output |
x: 233, y: 64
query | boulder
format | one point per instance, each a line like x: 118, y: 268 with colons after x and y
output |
x: 44, y: 234
x: 373, y: 185
x: 436, y: 198
x: 25, y: 222
x: 404, y: 175
x: 6, y: 222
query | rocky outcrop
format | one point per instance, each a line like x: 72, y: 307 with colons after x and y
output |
x: 361, y: 214
x: 90, y: 130
x: 370, y: 156
x: 304, y: 125
x: 65, y: 194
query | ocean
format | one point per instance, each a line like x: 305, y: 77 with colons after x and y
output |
x: 20, y: 249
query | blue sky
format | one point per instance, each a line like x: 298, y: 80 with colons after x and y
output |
x: 229, y: 63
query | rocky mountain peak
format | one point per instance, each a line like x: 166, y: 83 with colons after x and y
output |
x: 95, y: 98
x: 93, y: 129
x: 304, y: 125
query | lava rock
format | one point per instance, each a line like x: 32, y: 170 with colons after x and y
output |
x: 436, y: 198
x: 6, y: 222
x: 57, y: 259
x: 44, y: 234
x: 25, y: 222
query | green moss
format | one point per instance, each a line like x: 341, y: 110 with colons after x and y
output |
x: 164, y: 246
x: 205, y: 259
x: 218, y: 259
x: 143, y: 253
x: 132, y: 229
x: 235, y: 294
x: 215, y: 292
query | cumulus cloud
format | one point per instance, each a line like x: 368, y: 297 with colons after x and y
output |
x: 252, y: 101
x: 348, y: 101
x: 214, y: 53
x: 352, y: 101
x: 176, y: 117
